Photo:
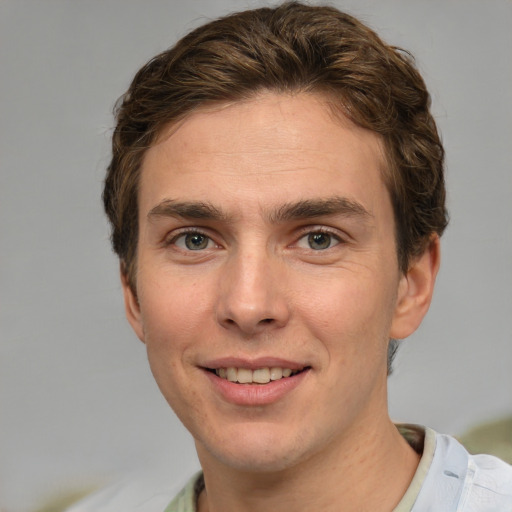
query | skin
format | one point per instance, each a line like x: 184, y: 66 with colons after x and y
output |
x: 260, y: 288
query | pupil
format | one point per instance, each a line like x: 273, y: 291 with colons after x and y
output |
x: 319, y: 241
x: 196, y: 241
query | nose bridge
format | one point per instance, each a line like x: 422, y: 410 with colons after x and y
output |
x: 251, y: 295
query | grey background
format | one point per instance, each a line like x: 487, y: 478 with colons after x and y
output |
x: 78, y: 403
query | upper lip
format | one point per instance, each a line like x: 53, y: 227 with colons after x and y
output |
x: 253, y: 364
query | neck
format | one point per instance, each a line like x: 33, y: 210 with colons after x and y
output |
x: 370, y: 469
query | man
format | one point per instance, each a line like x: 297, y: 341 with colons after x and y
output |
x: 276, y: 195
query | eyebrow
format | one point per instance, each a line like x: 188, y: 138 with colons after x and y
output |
x: 300, y: 210
x: 187, y: 210
x: 311, y: 208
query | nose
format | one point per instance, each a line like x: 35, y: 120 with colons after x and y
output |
x: 252, y: 296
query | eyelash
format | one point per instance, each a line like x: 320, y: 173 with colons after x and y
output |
x: 185, y: 232
x: 305, y: 232
x: 310, y: 230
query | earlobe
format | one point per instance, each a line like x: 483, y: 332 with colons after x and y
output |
x: 415, y: 291
x: 131, y: 305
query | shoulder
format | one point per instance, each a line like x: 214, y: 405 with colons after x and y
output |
x: 491, y: 483
x: 462, y: 482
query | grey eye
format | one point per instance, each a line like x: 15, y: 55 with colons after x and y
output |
x: 196, y: 241
x: 193, y: 241
x: 319, y: 241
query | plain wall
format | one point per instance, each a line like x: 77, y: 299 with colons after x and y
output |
x: 78, y: 403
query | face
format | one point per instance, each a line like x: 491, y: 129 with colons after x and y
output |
x: 267, y: 279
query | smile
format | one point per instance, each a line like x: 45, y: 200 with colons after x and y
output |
x: 257, y: 382
x: 258, y: 376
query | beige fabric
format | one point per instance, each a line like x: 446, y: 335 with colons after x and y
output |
x: 411, y: 432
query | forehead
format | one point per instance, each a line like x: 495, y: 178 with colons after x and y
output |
x: 271, y: 148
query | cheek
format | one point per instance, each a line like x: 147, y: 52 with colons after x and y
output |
x: 174, y: 323
x: 173, y: 310
x: 351, y: 315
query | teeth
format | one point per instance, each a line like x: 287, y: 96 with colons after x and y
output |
x: 231, y: 374
x: 244, y: 376
x: 259, y: 376
x: 276, y: 373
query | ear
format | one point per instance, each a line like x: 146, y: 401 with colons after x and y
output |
x: 131, y: 305
x: 415, y: 291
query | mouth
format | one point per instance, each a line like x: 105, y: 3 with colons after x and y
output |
x: 257, y: 382
x: 264, y: 375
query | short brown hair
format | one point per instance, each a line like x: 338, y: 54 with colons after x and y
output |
x: 291, y: 48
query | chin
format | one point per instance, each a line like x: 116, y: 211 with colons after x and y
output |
x: 255, y: 452
x: 258, y: 462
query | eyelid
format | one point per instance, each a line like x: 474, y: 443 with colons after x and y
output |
x: 341, y: 236
x: 171, y: 238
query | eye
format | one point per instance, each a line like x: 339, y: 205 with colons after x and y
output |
x: 318, y: 241
x: 193, y: 241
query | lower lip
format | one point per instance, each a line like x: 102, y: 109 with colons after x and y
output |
x: 255, y: 394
